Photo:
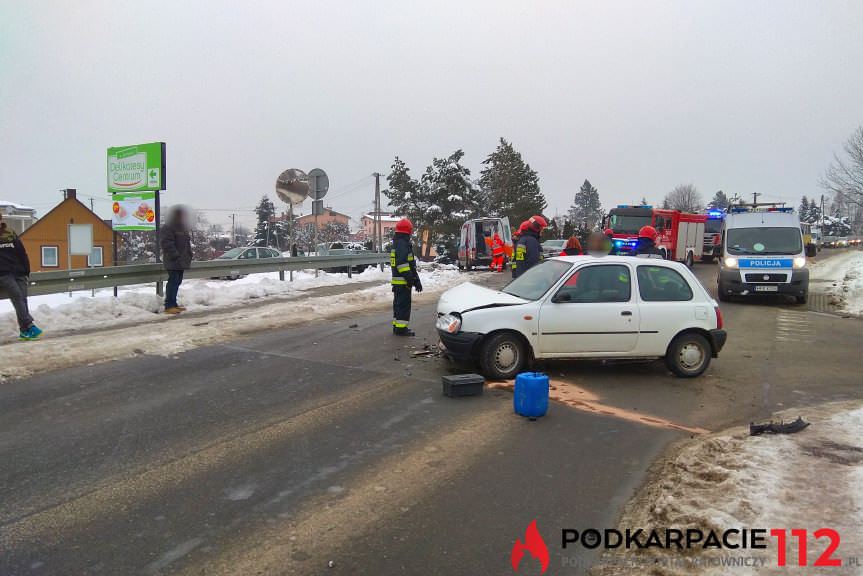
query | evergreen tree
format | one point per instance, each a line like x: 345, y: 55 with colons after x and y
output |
x: 803, y: 211
x: 510, y: 185
x: 265, y: 211
x: 814, y: 211
x: 568, y: 228
x: 720, y: 200
x: 586, y: 210
x: 440, y: 201
x: 644, y: 201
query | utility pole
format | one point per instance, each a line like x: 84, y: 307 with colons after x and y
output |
x: 378, y: 228
x: 755, y: 196
x: 233, y: 229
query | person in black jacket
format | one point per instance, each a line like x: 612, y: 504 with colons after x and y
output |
x: 528, y: 252
x: 647, y: 243
x: 176, y: 247
x: 405, y: 277
x: 14, y: 273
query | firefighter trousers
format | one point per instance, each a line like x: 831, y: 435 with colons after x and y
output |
x: 401, y: 308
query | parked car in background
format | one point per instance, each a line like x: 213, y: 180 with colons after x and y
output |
x: 359, y: 268
x: 246, y: 253
x: 584, y: 307
x: 552, y: 248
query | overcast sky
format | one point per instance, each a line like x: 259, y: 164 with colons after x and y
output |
x: 636, y: 96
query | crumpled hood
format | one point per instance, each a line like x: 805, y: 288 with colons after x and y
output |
x: 469, y: 296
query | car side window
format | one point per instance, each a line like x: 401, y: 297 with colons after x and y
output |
x: 661, y: 284
x: 599, y: 283
x: 250, y: 253
x: 264, y: 253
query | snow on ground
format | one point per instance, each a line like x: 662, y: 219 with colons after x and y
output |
x: 841, y: 277
x: 139, y: 303
x: 809, y: 480
x: 224, y: 318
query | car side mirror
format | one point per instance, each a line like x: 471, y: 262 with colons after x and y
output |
x: 811, y: 250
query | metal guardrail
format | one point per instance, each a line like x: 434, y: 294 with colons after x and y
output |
x: 59, y: 281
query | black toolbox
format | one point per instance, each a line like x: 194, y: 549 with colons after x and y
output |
x: 463, y: 385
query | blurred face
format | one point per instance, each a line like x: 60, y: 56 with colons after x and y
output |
x: 597, y: 244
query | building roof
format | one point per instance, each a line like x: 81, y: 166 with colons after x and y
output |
x: 42, y: 221
x: 16, y: 206
x: 384, y: 217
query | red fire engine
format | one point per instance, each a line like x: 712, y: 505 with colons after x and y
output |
x: 680, y: 236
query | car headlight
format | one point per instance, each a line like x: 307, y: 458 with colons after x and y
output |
x: 449, y: 323
x: 731, y: 262
x: 799, y: 262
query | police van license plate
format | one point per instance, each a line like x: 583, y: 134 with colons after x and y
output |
x: 767, y: 288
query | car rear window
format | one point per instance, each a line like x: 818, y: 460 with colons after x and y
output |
x: 661, y: 284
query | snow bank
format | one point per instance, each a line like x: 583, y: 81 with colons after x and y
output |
x: 841, y: 277
x: 139, y: 303
x: 167, y: 335
x: 809, y: 480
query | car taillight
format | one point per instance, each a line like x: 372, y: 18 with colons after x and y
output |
x: 718, y: 317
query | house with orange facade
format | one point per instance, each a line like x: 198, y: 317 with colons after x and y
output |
x: 47, y: 240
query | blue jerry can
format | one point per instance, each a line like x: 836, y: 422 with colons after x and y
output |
x: 531, y: 394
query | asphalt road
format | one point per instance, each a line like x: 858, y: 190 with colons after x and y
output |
x: 331, y: 442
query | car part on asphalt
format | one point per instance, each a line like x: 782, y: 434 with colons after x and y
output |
x: 778, y: 428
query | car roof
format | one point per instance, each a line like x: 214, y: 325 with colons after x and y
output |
x: 615, y: 259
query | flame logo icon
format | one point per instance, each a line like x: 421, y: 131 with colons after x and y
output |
x: 534, y: 544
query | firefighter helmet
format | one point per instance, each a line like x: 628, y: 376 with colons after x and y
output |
x: 404, y: 226
x: 647, y: 232
x: 536, y: 224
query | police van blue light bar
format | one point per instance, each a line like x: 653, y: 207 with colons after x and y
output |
x: 629, y: 206
x: 714, y: 213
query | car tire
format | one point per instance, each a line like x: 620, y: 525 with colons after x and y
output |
x: 707, y: 259
x: 801, y: 299
x: 503, y: 356
x: 690, y: 260
x: 688, y: 355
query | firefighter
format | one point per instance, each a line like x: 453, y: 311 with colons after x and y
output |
x: 497, y: 254
x: 528, y: 253
x: 405, y: 277
x: 516, y: 236
x: 647, y: 243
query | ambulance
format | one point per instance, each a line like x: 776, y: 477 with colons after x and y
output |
x: 763, y: 253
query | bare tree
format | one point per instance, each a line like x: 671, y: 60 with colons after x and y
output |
x: 844, y: 176
x: 684, y: 198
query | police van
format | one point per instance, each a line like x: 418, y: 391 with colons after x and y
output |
x: 763, y: 253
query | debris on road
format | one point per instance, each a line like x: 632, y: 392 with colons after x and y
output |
x: 778, y: 428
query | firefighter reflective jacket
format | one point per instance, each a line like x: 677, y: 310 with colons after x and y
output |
x: 527, y: 254
x: 402, y: 261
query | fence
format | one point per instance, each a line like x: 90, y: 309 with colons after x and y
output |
x: 111, y: 276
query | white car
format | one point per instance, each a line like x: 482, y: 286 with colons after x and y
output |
x: 584, y: 307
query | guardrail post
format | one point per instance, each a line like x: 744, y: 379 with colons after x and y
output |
x: 349, y: 271
x: 282, y: 275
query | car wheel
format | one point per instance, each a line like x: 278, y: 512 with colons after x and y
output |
x: 690, y: 260
x: 707, y: 259
x: 503, y: 356
x: 801, y: 299
x: 688, y: 355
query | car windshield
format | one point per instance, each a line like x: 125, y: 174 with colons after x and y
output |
x: 232, y: 253
x: 764, y: 241
x: 554, y: 244
x: 713, y: 225
x: 535, y: 282
x: 628, y: 224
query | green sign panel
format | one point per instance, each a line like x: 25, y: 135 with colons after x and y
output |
x: 136, y: 168
x: 134, y: 211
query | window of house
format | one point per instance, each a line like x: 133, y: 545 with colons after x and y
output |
x: 49, y: 257
x: 94, y: 259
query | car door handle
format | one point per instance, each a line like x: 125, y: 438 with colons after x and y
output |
x: 626, y: 313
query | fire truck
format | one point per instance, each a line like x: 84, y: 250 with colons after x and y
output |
x: 713, y: 235
x: 679, y: 236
